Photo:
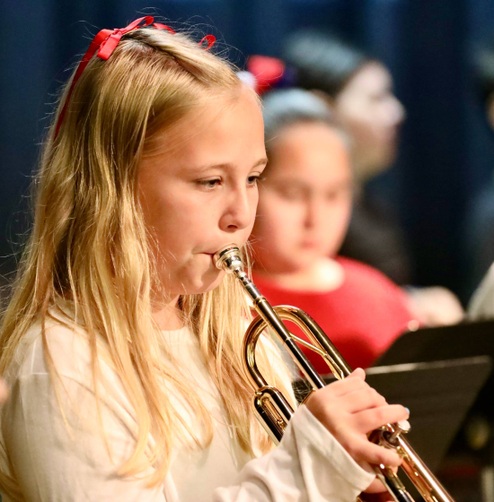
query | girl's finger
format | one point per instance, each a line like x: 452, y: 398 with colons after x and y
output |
x: 362, y: 399
x: 364, y: 451
x: 342, y: 387
x: 369, y: 419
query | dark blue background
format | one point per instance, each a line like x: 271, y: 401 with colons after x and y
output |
x: 447, y: 153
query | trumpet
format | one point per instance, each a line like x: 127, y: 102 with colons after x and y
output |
x: 272, y: 407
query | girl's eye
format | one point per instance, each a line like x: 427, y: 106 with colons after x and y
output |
x: 292, y: 193
x: 209, y: 184
x: 254, y: 179
x: 339, y: 194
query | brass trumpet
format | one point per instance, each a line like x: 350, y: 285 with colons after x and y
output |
x: 272, y: 407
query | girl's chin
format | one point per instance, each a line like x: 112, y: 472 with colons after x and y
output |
x: 208, y: 283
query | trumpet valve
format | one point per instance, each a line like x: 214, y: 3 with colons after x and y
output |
x: 401, y: 427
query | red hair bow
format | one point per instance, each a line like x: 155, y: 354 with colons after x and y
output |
x: 106, y: 41
x: 267, y: 72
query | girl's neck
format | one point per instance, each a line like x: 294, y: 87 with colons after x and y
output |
x: 168, y: 316
x: 325, y: 274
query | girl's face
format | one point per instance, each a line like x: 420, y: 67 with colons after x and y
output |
x: 199, y: 192
x: 372, y: 115
x: 305, y: 199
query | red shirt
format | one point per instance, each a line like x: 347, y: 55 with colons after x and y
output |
x: 362, y: 317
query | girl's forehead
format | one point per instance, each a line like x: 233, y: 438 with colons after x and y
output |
x: 301, y: 133
x: 191, y: 121
x: 227, y: 129
x: 309, y: 144
x: 207, y: 100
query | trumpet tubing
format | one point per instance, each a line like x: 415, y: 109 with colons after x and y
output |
x: 273, y: 409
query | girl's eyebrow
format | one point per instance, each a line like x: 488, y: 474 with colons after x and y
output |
x: 261, y: 162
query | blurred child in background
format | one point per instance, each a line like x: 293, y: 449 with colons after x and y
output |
x: 304, y: 210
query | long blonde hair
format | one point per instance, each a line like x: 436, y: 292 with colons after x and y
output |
x: 89, y: 246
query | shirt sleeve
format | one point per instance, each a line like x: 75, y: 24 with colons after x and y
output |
x: 55, y: 462
x: 63, y: 456
x: 308, y: 465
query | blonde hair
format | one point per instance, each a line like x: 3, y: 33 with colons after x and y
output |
x: 89, y: 246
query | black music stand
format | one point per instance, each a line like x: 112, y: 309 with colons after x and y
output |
x: 462, y: 340
x: 473, y: 338
x: 442, y: 342
x: 438, y: 395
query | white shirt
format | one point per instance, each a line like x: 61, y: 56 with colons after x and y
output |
x: 49, y: 461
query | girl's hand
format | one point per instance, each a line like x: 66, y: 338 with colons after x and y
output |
x: 350, y: 409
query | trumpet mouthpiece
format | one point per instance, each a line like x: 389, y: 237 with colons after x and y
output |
x: 228, y: 258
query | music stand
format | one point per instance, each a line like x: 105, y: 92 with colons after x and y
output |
x: 438, y: 395
x: 466, y: 339
x: 442, y: 342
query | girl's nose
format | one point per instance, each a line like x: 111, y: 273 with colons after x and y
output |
x: 240, y: 210
x: 313, y: 211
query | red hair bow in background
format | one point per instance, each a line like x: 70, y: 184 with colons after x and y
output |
x: 268, y: 72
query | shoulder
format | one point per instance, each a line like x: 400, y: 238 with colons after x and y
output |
x: 56, y: 342
x: 371, y: 285
x: 357, y: 270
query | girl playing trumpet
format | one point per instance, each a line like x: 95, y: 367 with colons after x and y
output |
x: 121, y: 344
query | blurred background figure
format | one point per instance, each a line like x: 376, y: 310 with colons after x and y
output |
x: 481, y: 306
x: 359, y: 89
x: 479, y: 220
x: 304, y: 210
